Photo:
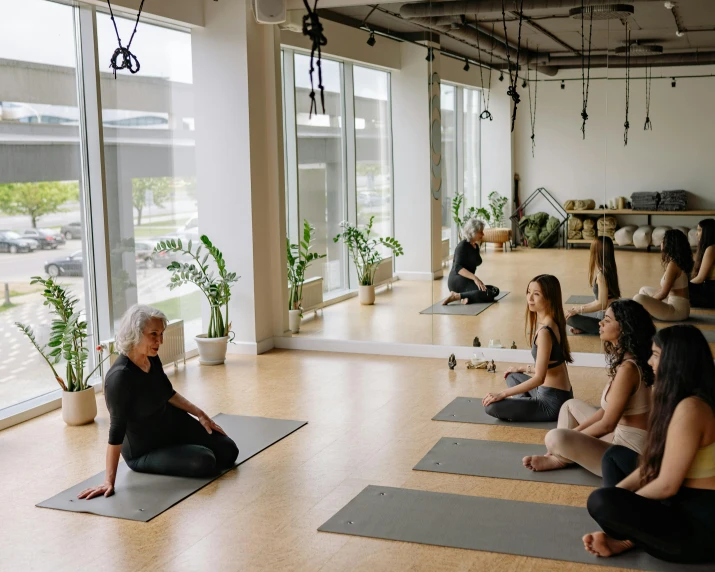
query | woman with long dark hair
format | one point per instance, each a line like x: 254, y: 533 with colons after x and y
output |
x: 538, y: 397
x: 603, y: 278
x: 585, y: 432
x: 702, y: 285
x: 671, y: 302
x: 667, y: 505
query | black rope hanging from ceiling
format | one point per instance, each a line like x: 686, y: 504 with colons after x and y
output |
x: 511, y: 92
x: 485, y: 114
x: 627, y: 125
x: 585, y: 76
x: 648, y: 81
x: 123, y: 58
x: 313, y: 28
x: 532, y: 114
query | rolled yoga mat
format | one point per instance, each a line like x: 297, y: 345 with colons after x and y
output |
x: 476, y: 523
x: 471, y: 410
x: 580, y: 300
x: 142, y: 496
x: 459, y: 309
x: 498, y: 459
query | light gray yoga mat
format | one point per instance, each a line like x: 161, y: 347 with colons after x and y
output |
x: 459, y: 309
x: 476, y: 523
x: 471, y: 410
x: 499, y: 460
x: 580, y: 300
x: 141, y: 496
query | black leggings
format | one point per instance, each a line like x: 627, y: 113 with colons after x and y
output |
x: 587, y: 323
x: 702, y: 295
x: 540, y: 404
x: 679, y: 529
x: 617, y: 463
x: 468, y: 289
x: 190, y: 452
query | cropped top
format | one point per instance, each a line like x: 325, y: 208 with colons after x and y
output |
x: 680, y: 282
x: 703, y: 464
x: 595, y: 290
x: 639, y: 402
x: 557, y: 353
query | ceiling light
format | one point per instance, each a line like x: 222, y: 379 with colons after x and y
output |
x: 466, y: 64
x: 501, y: 76
x: 523, y: 84
x: 430, y: 55
x: 679, y: 33
x: 670, y: 5
x: 371, y: 39
x: 672, y: 83
x: 603, y: 11
x: 563, y: 84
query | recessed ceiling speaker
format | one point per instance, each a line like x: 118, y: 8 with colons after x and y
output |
x: 269, y: 11
x: 604, y: 11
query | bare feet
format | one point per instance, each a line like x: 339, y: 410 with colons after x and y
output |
x: 575, y: 331
x: 600, y: 544
x: 543, y: 463
x: 465, y: 301
x: 453, y: 297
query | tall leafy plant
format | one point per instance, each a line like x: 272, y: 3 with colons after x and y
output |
x: 299, y: 258
x: 67, y: 338
x: 216, y: 288
x: 364, y: 251
x: 496, y: 206
x: 460, y: 215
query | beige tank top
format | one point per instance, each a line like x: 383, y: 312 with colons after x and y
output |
x: 680, y: 282
x: 639, y: 402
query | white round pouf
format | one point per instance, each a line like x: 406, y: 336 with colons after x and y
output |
x: 693, y: 237
x: 642, y: 236
x: 658, y: 234
x: 683, y: 229
x: 624, y: 235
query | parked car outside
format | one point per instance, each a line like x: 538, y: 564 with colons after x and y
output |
x: 12, y: 242
x: 72, y: 230
x: 45, y: 238
x: 147, y: 258
x: 71, y: 265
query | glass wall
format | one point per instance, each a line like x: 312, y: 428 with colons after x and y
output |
x: 471, y: 147
x: 448, y: 109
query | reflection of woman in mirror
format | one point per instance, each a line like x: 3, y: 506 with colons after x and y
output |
x: 603, y: 278
x: 666, y: 506
x: 463, y: 283
x: 539, y: 396
x: 585, y: 432
x: 702, y: 285
x: 671, y: 302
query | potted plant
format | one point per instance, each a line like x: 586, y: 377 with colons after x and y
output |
x: 217, y: 289
x: 67, y: 341
x: 364, y: 253
x: 299, y: 258
x: 460, y: 216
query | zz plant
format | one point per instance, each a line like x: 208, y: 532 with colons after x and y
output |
x: 299, y: 258
x: 216, y: 288
x: 364, y: 250
x: 460, y: 216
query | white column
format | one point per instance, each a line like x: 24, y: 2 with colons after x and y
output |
x: 239, y: 163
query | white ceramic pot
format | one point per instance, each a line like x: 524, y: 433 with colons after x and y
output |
x: 212, y: 351
x: 294, y: 321
x: 79, y: 407
x: 366, y: 294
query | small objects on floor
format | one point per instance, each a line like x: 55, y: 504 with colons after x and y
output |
x: 513, y: 344
x: 476, y: 343
x: 452, y: 361
x: 492, y: 367
x: 478, y: 365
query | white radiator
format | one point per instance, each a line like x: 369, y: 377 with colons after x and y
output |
x: 446, y: 254
x: 173, y: 349
x: 312, y: 294
x: 384, y: 272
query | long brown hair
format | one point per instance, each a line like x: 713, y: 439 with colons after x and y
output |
x: 707, y: 238
x: 551, y: 290
x: 603, y: 259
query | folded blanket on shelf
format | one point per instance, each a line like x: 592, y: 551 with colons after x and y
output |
x: 575, y: 223
x: 645, y: 201
x: 569, y: 205
x: 589, y: 234
x: 607, y: 223
x: 585, y: 205
x: 588, y: 224
x: 575, y: 235
x: 673, y: 201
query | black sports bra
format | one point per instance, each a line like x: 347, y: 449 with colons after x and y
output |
x: 557, y: 353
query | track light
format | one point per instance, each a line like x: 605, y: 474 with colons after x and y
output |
x: 430, y: 54
x: 563, y: 84
x: 523, y: 84
x: 501, y: 76
x: 672, y: 83
x: 371, y: 39
x: 466, y: 64
x: 679, y: 34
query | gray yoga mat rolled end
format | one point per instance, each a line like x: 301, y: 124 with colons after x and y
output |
x: 142, y: 496
x: 471, y: 410
x: 475, y: 523
x: 580, y: 300
x: 458, y: 309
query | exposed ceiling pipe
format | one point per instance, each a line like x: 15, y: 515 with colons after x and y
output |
x: 686, y: 59
x: 438, y: 9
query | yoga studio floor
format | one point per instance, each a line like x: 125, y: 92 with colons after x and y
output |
x: 396, y: 317
x: 369, y: 423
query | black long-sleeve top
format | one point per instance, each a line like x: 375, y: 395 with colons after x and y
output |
x: 137, y: 403
x: 466, y: 256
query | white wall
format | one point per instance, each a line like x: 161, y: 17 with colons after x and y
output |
x: 496, y: 147
x: 182, y: 12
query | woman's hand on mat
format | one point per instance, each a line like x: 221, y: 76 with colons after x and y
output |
x: 210, y: 425
x: 492, y: 398
x: 480, y: 284
x: 105, y: 489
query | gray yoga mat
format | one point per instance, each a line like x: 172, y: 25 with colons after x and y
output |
x: 476, y: 523
x: 471, y: 410
x: 141, y: 496
x: 580, y: 300
x: 499, y: 460
x: 459, y: 309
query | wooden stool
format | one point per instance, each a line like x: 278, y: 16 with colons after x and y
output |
x: 500, y: 237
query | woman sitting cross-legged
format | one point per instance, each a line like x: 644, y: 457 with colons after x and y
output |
x: 671, y: 302
x: 585, y: 432
x: 463, y: 283
x: 155, y: 429
x: 702, y: 285
x: 539, y: 397
x: 667, y: 505
x: 603, y: 277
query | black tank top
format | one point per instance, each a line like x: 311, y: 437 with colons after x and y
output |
x: 557, y: 352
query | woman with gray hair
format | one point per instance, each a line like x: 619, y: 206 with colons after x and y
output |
x: 154, y: 428
x: 463, y: 283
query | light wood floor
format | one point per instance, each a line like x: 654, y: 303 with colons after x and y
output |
x: 369, y: 423
x: 395, y: 316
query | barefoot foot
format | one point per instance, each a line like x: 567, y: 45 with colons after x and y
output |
x: 465, y: 301
x: 575, y: 331
x: 453, y: 297
x: 543, y: 463
x: 600, y: 544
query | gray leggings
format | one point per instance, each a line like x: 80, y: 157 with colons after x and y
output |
x: 539, y: 404
x: 587, y: 323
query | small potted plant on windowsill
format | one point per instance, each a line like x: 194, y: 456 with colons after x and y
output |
x: 299, y: 258
x: 364, y: 253
x: 217, y: 289
x: 67, y: 341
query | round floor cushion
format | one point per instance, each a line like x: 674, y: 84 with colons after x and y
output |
x: 497, y: 235
x: 624, y: 235
x: 693, y: 237
x: 658, y: 234
x: 642, y: 236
